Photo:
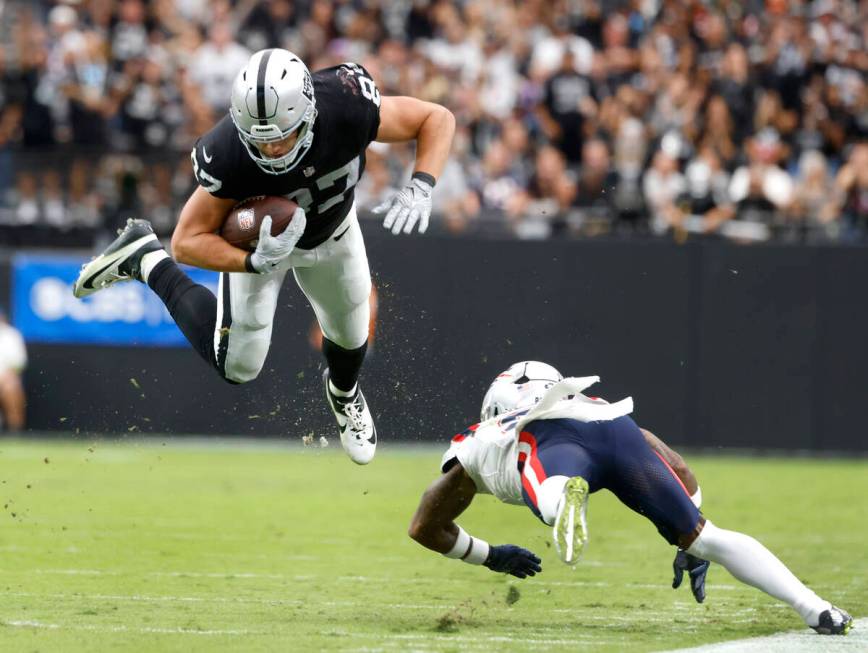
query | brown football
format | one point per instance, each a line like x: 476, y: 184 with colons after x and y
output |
x: 241, y: 227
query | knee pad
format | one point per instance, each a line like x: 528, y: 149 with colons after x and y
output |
x: 357, y: 288
x: 255, y: 315
x: 246, y: 356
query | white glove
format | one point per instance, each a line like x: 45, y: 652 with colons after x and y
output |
x: 272, y: 250
x: 410, y: 205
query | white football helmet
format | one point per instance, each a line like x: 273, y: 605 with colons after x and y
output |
x: 272, y: 97
x: 522, y: 385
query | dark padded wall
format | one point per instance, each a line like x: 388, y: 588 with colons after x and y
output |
x: 719, y: 346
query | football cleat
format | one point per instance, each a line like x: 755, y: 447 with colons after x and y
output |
x: 570, y: 531
x: 120, y: 261
x: 355, y: 423
x: 834, y: 621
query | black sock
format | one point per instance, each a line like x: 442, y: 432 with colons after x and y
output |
x: 193, y: 307
x: 344, y: 364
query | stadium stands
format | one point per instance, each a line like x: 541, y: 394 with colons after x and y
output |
x: 738, y: 120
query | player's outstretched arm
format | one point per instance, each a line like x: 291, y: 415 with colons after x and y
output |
x: 432, y: 127
x: 433, y: 526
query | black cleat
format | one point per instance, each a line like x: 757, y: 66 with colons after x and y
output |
x: 120, y: 261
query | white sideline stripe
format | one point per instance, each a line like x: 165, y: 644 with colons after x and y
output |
x: 125, y: 629
x: 804, y: 641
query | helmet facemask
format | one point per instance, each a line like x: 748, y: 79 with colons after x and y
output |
x: 272, y: 98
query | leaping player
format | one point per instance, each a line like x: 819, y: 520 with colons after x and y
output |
x: 302, y: 136
x: 544, y: 444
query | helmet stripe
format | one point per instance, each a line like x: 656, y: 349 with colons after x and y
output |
x: 260, y: 87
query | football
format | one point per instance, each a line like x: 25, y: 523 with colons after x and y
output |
x: 241, y: 227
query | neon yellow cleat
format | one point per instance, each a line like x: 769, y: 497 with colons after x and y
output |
x: 570, y: 531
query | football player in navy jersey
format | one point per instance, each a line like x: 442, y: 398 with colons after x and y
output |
x: 302, y: 136
x: 545, y: 445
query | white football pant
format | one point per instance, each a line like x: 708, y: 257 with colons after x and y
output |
x: 334, y: 277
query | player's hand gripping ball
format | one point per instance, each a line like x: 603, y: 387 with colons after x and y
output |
x: 243, y: 223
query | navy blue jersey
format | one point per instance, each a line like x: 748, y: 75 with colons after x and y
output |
x: 323, y: 181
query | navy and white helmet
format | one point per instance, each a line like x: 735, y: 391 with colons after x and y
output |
x: 271, y: 98
x: 520, y: 386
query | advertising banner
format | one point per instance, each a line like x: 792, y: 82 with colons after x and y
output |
x: 44, y: 309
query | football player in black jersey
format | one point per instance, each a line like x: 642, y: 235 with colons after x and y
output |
x: 302, y: 136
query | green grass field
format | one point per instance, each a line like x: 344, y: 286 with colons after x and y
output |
x: 180, y: 545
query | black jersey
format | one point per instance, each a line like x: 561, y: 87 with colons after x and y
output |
x: 323, y: 181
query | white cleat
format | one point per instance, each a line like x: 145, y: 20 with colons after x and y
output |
x: 120, y: 261
x: 355, y: 423
x: 570, y: 531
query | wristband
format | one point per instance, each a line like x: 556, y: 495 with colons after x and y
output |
x: 424, y: 176
x: 248, y: 264
x: 468, y: 549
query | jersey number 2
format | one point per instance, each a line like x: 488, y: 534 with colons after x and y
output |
x: 329, y: 180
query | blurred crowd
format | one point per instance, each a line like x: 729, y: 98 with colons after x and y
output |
x: 744, y: 120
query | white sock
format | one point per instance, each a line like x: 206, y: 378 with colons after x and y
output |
x: 337, y: 392
x: 696, y: 497
x: 548, y: 495
x: 149, y: 262
x: 753, y: 564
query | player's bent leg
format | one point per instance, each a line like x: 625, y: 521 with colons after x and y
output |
x: 753, y: 564
x: 243, y: 324
x: 555, y: 469
x: 338, y: 286
x: 644, y: 482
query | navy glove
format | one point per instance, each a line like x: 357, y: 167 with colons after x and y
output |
x: 697, y: 568
x: 512, y: 559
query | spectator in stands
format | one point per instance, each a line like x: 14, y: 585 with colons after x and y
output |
x: 83, y: 204
x: 735, y: 87
x: 129, y: 36
x: 26, y: 200
x: 548, y: 197
x: 270, y: 24
x: 500, y: 190
x: 664, y: 187
x: 567, y: 101
x: 214, y: 66
x: 708, y: 192
x: 85, y: 83
x: 719, y: 131
x: 137, y: 76
x: 13, y: 360
x: 851, y: 194
x: 595, y: 191
x: 811, y: 215
x: 761, y: 190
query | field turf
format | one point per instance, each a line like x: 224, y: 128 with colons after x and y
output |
x: 180, y: 545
